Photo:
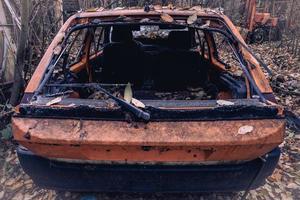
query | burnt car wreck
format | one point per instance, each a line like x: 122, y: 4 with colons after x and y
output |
x: 158, y: 101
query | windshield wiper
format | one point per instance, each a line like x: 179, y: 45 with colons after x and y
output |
x: 124, y: 104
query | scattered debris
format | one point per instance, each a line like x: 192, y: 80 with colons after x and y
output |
x: 54, y: 101
x: 245, y: 130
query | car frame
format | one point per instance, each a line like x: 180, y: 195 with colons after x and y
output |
x: 168, y: 146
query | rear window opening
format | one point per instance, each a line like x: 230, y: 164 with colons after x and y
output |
x: 159, y: 62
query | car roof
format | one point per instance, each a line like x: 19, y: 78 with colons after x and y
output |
x: 140, y: 12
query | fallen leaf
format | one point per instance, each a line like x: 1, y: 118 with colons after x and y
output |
x: 224, y: 103
x: 138, y: 103
x: 128, y: 93
x: 192, y: 19
x: 10, y: 182
x: 293, y: 186
x: 245, y: 129
x: 16, y: 186
x: 166, y: 18
x: 276, y: 176
x: 291, y: 134
x: 54, y: 101
x: 91, y: 10
x: 119, y: 8
x: 238, y: 73
x: 207, y: 24
x: 171, y: 6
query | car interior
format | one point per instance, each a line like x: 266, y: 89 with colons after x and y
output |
x: 162, y: 64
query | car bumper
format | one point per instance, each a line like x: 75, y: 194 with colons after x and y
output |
x: 62, y: 175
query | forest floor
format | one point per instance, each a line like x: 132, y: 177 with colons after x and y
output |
x: 283, y: 184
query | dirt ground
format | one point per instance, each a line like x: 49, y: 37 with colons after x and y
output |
x: 283, y: 184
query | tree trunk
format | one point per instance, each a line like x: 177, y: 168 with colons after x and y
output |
x: 58, y: 10
x: 20, y: 58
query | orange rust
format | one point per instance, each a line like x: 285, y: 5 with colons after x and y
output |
x: 77, y: 67
x: 155, y: 141
x: 264, y: 18
x: 149, y: 154
x: 256, y: 71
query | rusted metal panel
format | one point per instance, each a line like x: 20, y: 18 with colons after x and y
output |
x: 155, y: 141
x: 265, y: 18
x: 40, y: 70
x: 145, y: 154
x: 256, y: 71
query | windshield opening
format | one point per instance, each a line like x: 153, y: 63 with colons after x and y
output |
x: 158, y: 62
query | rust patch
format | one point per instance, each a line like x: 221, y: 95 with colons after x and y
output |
x: 160, y: 142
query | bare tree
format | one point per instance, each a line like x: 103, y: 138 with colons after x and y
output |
x: 20, y: 58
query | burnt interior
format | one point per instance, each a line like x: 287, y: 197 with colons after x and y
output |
x: 174, y: 65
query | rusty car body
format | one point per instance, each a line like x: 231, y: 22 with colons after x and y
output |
x: 204, y: 117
